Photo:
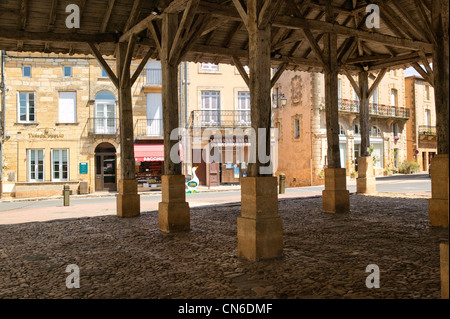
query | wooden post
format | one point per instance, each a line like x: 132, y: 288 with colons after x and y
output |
x: 365, y: 183
x: 260, y: 231
x: 174, y: 212
x: 364, y: 115
x: 128, y: 200
x: 260, y: 87
x: 335, y: 197
x: 438, y: 204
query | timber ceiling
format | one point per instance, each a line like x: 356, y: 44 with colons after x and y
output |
x: 218, y: 33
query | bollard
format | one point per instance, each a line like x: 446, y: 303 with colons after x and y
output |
x: 66, y: 194
x: 282, y: 183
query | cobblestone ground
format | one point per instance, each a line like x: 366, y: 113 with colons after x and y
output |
x: 325, y: 255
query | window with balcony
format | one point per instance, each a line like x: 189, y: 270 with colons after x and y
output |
x: 243, y: 109
x: 428, y: 117
x: 210, y: 108
x: 154, y: 115
x: 394, y: 97
x: 355, y: 101
x: 105, y: 121
x: 153, y: 74
x: 375, y: 109
x: 26, y: 107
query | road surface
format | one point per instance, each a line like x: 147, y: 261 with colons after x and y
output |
x: 14, y: 211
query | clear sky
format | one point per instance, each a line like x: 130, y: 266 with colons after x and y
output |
x: 410, y: 71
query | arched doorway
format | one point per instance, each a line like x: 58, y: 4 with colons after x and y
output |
x: 105, y: 168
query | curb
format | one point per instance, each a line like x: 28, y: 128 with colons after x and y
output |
x: 101, y: 195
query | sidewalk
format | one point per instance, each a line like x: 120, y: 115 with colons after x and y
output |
x: 203, y: 189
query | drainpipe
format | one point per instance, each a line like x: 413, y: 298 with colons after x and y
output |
x: 187, y: 157
x: 2, y: 138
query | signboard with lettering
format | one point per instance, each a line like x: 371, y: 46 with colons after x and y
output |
x: 83, y: 168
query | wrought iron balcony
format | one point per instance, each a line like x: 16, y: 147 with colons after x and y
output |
x: 220, y: 119
x: 149, y: 128
x: 103, y: 126
x: 153, y: 77
x: 376, y: 110
x: 427, y: 130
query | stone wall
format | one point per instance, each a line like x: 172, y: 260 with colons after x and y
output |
x: 46, y: 132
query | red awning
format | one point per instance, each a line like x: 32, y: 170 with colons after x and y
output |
x: 151, y: 152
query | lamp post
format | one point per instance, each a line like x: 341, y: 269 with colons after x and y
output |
x: 283, y: 100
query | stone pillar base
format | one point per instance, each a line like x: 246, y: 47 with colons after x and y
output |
x: 335, y: 197
x: 174, y: 212
x: 438, y: 212
x: 174, y: 217
x: 365, y: 183
x: 128, y: 200
x: 444, y: 270
x: 438, y: 204
x: 260, y: 229
x: 260, y: 238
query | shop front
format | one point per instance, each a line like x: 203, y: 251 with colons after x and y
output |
x: 149, y: 165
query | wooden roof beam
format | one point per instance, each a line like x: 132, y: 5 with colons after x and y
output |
x: 242, y: 11
x: 316, y: 49
x: 135, y: 11
x: 96, y: 53
x: 423, y: 73
x: 52, y: 17
x: 38, y: 37
x: 141, y: 66
x: 425, y: 20
x: 409, y: 20
x: 321, y: 26
x: 278, y: 74
x: 107, y: 16
x: 183, y: 29
x: 241, y: 69
x: 23, y: 14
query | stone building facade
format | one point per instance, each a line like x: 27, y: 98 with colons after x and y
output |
x: 218, y: 100
x: 421, y: 129
x: 301, y: 125
x: 61, y: 125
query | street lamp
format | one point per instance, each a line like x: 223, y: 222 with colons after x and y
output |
x: 283, y: 100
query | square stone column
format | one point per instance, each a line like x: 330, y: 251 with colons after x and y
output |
x: 444, y: 270
x: 438, y: 203
x: 335, y: 197
x: 128, y: 200
x: 174, y: 213
x: 365, y: 183
x: 260, y: 229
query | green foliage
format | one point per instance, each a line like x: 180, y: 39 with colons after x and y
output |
x: 322, y: 174
x: 408, y: 168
